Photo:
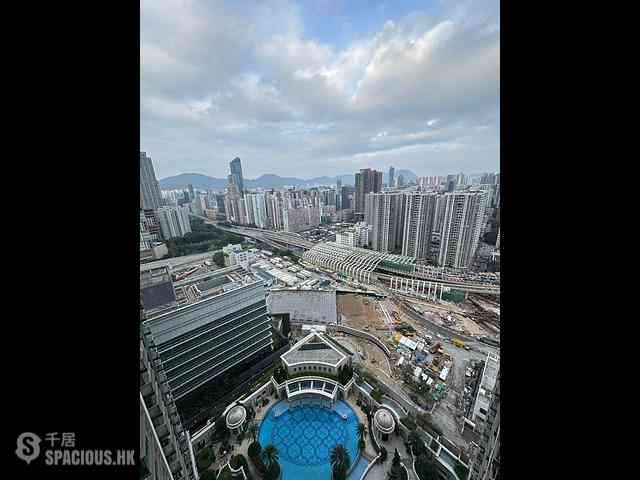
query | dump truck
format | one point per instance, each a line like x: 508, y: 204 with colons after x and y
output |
x: 458, y: 343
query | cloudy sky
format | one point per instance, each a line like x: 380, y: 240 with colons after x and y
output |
x: 320, y: 87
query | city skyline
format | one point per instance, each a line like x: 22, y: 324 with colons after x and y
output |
x: 365, y: 75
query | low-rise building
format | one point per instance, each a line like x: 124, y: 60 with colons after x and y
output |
x: 486, y: 388
x: 317, y: 307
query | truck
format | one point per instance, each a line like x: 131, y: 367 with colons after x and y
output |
x: 435, y: 348
x: 458, y: 343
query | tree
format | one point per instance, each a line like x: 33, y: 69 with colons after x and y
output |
x: 286, y: 326
x: 270, y: 455
x: 362, y: 431
x: 340, y: 462
x: 383, y: 454
x: 218, y: 257
x: 205, y: 458
x: 376, y: 394
x: 461, y: 471
x: 254, y: 450
x: 344, y: 374
x: 425, y: 467
x: 280, y: 374
x: 408, y: 422
x: 208, y: 475
x: 416, y: 443
x: 252, y: 430
x: 273, y: 472
x: 396, y: 472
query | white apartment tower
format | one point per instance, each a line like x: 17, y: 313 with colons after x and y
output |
x: 384, y: 212
x: 419, y: 215
x: 464, y: 212
x: 174, y: 221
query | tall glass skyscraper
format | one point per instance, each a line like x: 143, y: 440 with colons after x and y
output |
x: 150, y: 197
x: 236, y: 171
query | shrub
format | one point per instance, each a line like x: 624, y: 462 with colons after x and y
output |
x: 205, y: 459
x: 273, y: 472
x: 461, y: 471
x: 209, y: 475
x: 408, y: 422
x: 254, y: 450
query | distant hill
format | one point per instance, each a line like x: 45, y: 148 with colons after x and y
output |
x: 267, y: 180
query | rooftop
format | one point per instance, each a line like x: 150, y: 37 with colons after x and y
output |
x: 315, y: 347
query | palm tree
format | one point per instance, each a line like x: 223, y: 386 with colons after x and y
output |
x: 270, y: 454
x: 362, y: 431
x: 252, y: 429
x: 416, y: 443
x: 340, y: 461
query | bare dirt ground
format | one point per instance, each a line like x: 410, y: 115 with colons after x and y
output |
x: 359, y: 312
x: 459, y: 315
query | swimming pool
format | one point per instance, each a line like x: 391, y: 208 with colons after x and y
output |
x: 305, y: 435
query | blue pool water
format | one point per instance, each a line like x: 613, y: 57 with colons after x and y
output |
x: 305, y: 435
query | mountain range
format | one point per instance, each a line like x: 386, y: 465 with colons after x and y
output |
x: 267, y: 180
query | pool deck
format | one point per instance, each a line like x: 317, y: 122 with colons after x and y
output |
x: 377, y: 472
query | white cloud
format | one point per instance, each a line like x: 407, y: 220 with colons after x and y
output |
x: 222, y: 79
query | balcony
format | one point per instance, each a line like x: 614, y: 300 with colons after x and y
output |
x: 147, y: 390
x: 162, y: 431
x: 167, y: 447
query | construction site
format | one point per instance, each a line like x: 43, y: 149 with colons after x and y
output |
x: 433, y: 347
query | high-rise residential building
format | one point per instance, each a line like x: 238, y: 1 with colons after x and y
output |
x: 150, y: 197
x: 192, y: 192
x: 462, y: 224
x: 438, y: 221
x: 367, y: 181
x: 346, y: 193
x: 220, y: 204
x: 199, y: 204
x: 385, y: 214
x: 150, y: 230
x: 498, y: 239
x: 486, y: 461
x: 338, y: 195
x: 273, y: 207
x: 302, y: 218
x: 174, y: 221
x: 236, y: 170
x: 419, y: 219
x: 392, y: 172
x: 399, y: 181
x: 256, y: 209
x: 461, y: 179
x: 200, y: 351
x: 234, y: 203
x: 165, y: 446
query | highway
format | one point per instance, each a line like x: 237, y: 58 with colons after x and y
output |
x: 282, y: 239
